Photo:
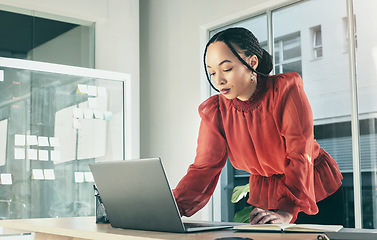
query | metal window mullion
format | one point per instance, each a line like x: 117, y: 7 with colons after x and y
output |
x: 281, y: 56
x: 270, y: 38
x: 354, y: 117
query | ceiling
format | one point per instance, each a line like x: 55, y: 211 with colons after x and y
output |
x: 21, y: 33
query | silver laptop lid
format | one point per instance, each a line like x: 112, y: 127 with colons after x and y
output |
x: 137, y: 195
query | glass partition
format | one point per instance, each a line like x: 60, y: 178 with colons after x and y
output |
x: 52, y: 125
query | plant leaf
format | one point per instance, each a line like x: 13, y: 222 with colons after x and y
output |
x: 243, y: 216
x: 239, y: 192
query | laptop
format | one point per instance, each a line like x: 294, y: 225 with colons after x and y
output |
x: 137, y: 195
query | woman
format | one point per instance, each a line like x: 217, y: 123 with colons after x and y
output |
x: 264, y: 124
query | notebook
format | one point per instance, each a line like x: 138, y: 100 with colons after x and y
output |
x: 137, y: 195
x: 289, y: 227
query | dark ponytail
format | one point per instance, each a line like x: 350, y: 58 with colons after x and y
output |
x: 265, y: 63
x: 245, y: 42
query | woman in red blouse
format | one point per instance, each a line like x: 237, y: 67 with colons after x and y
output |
x: 264, y: 124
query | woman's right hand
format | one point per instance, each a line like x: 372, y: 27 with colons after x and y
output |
x: 262, y: 216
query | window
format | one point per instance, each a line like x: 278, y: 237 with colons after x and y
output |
x: 317, y: 42
x: 288, y: 54
x: 43, y: 38
x: 327, y: 85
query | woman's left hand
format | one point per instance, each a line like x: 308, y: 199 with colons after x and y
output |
x: 262, y: 216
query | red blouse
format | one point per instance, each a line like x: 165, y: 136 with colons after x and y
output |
x: 271, y: 137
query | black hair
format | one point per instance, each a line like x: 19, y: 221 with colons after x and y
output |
x: 248, y: 44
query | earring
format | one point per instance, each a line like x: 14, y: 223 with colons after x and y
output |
x: 252, y: 77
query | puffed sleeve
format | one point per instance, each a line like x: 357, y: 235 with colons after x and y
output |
x: 295, y: 121
x: 196, y: 187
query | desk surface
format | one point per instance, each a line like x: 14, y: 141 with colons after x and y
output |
x: 86, y: 228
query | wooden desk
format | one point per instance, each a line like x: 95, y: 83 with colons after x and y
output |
x: 84, y: 228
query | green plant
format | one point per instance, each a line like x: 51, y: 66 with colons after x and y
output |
x: 243, y: 215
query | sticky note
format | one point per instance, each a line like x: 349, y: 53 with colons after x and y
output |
x: 54, y: 142
x: 88, y: 113
x: 6, y: 179
x: 19, y: 140
x: 92, y: 103
x: 76, y: 123
x: 82, y: 89
x: 32, y: 154
x: 19, y: 153
x: 88, y: 177
x: 43, y: 141
x: 43, y: 155
x: 98, y: 114
x: 49, y: 174
x: 79, y: 177
x: 37, y: 174
x: 78, y: 113
x: 32, y: 140
x: 108, y: 116
x: 92, y: 90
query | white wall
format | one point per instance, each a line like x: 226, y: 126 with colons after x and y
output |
x: 117, y: 36
x: 171, y: 68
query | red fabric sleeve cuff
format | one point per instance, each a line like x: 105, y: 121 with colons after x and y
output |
x: 285, y: 204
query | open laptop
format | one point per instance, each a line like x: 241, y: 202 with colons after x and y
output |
x: 136, y: 195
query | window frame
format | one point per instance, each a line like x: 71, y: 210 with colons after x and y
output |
x: 317, y: 47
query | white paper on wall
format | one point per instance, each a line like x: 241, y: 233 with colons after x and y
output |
x: 65, y: 133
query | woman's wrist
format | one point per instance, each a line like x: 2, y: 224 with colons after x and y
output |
x: 287, y: 216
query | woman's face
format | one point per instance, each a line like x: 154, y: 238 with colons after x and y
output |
x: 229, y: 74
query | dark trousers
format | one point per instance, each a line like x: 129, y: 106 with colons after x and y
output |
x: 331, y: 211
